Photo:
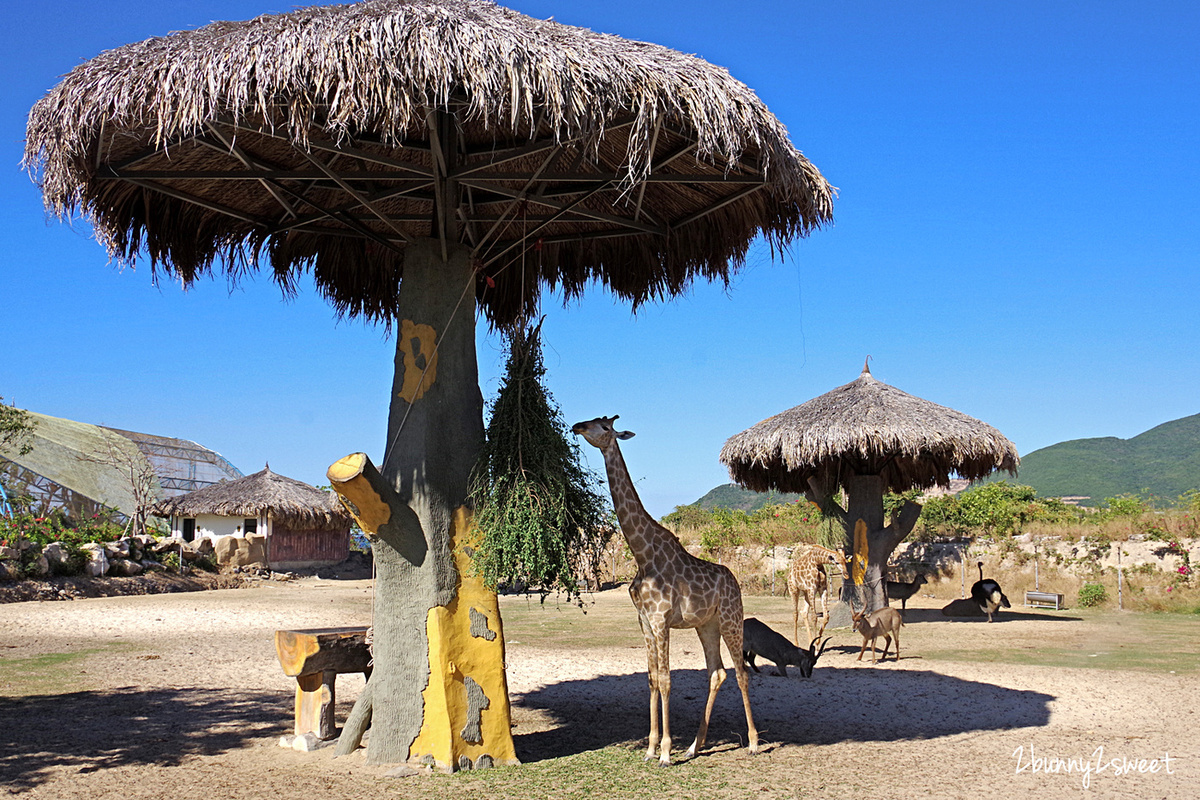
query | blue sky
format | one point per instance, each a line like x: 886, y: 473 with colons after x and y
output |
x: 1017, y: 236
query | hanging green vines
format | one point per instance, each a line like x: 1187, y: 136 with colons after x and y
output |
x: 539, y: 509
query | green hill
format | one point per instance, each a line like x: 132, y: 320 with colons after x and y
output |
x: 736, y: 498
x: 1165, y: 460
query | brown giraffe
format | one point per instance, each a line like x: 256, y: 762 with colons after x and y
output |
x: 672, y: 589
x: 807, y: 579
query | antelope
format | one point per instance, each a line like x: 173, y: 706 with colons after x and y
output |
x: 885, y: 622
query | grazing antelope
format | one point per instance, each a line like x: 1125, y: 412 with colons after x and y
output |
x: 760, y: 640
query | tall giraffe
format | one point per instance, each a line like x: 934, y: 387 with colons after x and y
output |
x: 672, y: 589
x: 807, y: 579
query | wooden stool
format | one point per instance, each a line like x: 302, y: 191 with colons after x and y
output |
x: 314, y: 658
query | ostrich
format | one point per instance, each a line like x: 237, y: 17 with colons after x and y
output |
x: 987, y: 593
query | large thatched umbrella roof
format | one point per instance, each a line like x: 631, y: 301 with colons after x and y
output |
x: 292, y: 502
x: 329, y: 139
x: 866, y: 427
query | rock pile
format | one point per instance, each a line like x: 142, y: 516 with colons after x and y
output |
x: 125, y: 557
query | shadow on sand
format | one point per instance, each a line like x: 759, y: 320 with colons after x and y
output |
x: 90, y: 731
x: 917, y: 615
x: 834, y: 705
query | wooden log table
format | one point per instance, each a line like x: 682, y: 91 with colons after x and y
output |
x: 314, y: 658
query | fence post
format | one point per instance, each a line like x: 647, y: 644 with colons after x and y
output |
x: 1120, y: 580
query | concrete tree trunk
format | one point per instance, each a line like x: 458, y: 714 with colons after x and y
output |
x: 438, y: 692
x: 864, y: 501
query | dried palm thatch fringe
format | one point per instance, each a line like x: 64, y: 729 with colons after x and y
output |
x: 290, y: 502
x: 866, y: 427
x: 144, y: 140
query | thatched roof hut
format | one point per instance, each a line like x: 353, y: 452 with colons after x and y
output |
x: 866, y: 427
x: 289, y: 502
x: 331, y: 138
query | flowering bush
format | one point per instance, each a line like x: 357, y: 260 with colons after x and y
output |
x: 58, y: 527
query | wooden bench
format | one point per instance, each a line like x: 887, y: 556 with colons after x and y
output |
x: 314, y: 658
x: 1044, y: 600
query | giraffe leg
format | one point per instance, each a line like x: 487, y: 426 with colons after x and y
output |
x: 824, y: 614
x: 652, y: 674
x: 810, y: 615
x: 795, y: 615
x: 663, y: 641
x: 710, y: 639
x: 731, y: 632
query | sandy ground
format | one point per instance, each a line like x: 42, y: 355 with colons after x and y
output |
x: 180, y: 695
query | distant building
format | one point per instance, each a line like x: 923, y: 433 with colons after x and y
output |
x: 956, y: 486
x: 304, y: 526
x: 84, y: 469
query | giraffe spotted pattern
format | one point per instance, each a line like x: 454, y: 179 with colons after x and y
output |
x: 672, y: 589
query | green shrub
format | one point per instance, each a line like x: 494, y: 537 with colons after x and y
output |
x: 1125, y: 505
x: 1092, y: 595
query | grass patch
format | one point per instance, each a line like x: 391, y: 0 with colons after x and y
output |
x: 611, y: 622
x: 50, y: 673
x: 1111, y: 641
x: 614, y: 771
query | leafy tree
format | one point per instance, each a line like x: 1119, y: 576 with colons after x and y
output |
x: 1125, y: 505
x: 994, y: 508
x: 540, y: 510
x: 689, y: 516
x: 16, y: 428
x: 727, y: 528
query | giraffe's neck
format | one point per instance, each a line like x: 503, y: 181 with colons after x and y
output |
x: 642, y: 532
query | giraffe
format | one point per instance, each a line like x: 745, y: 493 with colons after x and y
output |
x: 672, y: 589
x: 807, y: 578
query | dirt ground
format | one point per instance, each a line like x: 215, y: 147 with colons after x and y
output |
x: 181, y: 696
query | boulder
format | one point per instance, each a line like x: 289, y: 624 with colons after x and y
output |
x: 165, y: 545
x: 39, y: 567
x: 97, y: 560
x: 256, y: 549
x: 237, y: 551
x: 225, y: 549
x: 204, y: 546
x: 10, y: 570
x: 9, y: 552
x: 117, y: 549
x: 58, y: 558
x: 125, y: 567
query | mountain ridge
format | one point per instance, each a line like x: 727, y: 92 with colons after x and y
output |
x: 1163, y: 461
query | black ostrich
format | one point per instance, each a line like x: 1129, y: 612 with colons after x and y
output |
x: 987, y: 593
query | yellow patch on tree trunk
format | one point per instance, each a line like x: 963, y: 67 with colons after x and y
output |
x: 418, y: 343
x: 462, y: 650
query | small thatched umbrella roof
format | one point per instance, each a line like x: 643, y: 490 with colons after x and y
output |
x: 866, y: 427
x: 291, y: 502
x: 330, y: 139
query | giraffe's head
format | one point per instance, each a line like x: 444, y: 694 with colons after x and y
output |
x: 599, y: 432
